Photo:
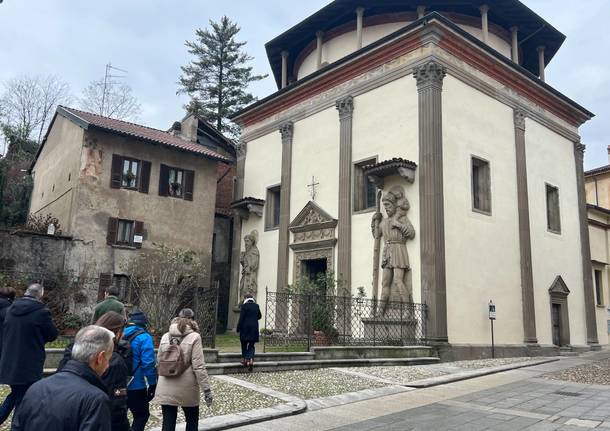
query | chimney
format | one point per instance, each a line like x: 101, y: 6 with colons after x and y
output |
x: 176, y: 128
x: 609, y: 154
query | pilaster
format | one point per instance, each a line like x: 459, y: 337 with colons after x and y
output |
x: 344, y: 242
x: 525, y: 241
x: 287, y: 132
x: 590, y: 310
x: 432, y: 213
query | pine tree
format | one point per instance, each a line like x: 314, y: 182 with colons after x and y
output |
x: 217, y: 79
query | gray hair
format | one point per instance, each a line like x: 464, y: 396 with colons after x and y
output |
x: 35, y: 290
x: 90, y: 341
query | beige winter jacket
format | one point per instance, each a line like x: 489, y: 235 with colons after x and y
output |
x: 183, y: 390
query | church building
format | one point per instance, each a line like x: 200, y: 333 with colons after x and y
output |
x: 443, y: 107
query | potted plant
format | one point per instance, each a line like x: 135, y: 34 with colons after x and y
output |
x: 71, y: 324
x: 322, y: 322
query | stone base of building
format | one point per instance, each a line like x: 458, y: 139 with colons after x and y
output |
x: 463, y: 352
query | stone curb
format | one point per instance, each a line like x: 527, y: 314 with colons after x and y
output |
x: 471, y: 374
x: 354, y: 397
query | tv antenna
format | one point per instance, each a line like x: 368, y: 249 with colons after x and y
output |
x: 108, y: 83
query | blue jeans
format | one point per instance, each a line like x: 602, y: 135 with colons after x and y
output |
x: 13, y: 400
x: 247, y: 349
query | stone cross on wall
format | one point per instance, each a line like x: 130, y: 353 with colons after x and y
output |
x: 312, y: 188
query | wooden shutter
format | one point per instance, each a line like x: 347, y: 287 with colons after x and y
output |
x: 138, y: 229
x: 145, y: 177
x: 164, y: 181
x: 113, y: 225
x: 115, y: 173
x: 189, y: 183
x: 105, y: 283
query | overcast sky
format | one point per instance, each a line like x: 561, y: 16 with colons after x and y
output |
x: 75, y: 39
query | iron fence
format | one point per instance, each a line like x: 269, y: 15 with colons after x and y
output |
x: 301, y: 321
x: 66, y: 294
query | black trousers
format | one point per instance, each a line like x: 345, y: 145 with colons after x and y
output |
x: 137, y: 402
x: 247, y: 349
x: 170, y: 414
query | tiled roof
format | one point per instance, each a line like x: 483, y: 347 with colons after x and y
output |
x: 597, y: 171
x: 140, y: 132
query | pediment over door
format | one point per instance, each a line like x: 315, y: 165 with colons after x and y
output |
x: 312, y: 228
x: 559, y: 287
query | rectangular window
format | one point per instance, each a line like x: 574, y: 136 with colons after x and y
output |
x: 365, y: 191
x: 272, y: 213
x: 130, y: 173
x: 176, y: 182
x: 481, y: 185
x: 599, y: 287
x: 553, y: 217
x: 125, y: 232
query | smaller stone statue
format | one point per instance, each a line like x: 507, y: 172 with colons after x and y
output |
x: 249, y: 260
x: 395, y: 230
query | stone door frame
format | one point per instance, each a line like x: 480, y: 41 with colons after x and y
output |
x: 559, y: 295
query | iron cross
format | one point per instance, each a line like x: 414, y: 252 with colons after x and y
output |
x: 312, y: 186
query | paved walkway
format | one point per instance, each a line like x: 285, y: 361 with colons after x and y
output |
x: 511, y: 401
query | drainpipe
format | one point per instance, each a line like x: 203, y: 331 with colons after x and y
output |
x: 284, y: 68
x: 515, y: 44
x: 359, y: 25
x: 319, y: 41
x: 485, y: 22
x: 421, y: 11
x: 541, y: 64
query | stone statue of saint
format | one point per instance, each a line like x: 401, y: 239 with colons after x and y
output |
x: 249, y: 262
x: 395, y: 230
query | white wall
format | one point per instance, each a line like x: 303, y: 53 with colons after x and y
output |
x: 482, y: 251
x: 385, y: 126
x: 550, y: 159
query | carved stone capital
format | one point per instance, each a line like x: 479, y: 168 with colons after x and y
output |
x: 242, y: 149
x: 431, y: 73
x: 519, y: 118
x: 580, y: 148
x: 287, y: 130
x: 345, y: 107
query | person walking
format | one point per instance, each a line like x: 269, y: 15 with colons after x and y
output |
x: 249, y: 315
x: 27, y: 328
x: 183, y: 388
x: 141, y: 388
x: 110, y: 303
x: 115, y: 378
x: 7, y: 296
x: 75, y: 397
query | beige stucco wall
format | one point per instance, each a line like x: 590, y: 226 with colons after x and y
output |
x: 385, y: 126
x: 550, y: 159
x: 598, y: 190
x: 599, y: 239
x: 482, y: 251
x: 344, y: 44
x: 169, y: 221
x: 56, y: 172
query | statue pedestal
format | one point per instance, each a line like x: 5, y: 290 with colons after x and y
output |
x: 390, y: 331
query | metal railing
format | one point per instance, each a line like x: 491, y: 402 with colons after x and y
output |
x: 300, y: 321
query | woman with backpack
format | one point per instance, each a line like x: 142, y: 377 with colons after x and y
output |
x: 249, y: 315
x: 182, y: 373
x: 115, y: 378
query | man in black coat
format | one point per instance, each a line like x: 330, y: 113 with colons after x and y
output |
x: 74, y: 398
x: 7, y: 296
x: 27, y: 328
x: 249, y: 315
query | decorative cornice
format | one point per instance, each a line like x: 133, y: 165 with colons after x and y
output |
x: 431, y: 73
x: 519, y: 118
x: 287, y: 130
x: 345, y: 107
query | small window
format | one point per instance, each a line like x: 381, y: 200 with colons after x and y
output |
x: 125, y: 232
x: 599, y: 287
x: 130, y: 173
x: 365, y: 191
x: 553, y: 217
x: 272, y: 214
x: 69, y: 176
x: 176, y: 182
x: 481, y: 186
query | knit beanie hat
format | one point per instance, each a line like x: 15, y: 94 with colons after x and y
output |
x: 137, y: 317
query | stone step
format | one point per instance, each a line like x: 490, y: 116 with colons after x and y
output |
x: 225, y: 358
x: 272, y: 366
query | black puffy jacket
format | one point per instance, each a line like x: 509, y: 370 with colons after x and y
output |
x: 72, y: 400
x: 4, y: 305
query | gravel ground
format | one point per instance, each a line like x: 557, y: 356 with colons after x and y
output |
x: 400, y: 375
x: 488, y: 363
x: 309, y: 384
x: 595, y: 373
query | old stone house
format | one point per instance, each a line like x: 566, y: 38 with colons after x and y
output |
x: 445, y: 103
x: 118, y: 187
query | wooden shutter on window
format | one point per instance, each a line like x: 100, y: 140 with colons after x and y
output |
x: 113, y: 225
x: 145, y: 177
x: 164, y: 181
x: 189, y: 183
x: 138, y: 229
x: 105, y: 283
x: 115, y: 173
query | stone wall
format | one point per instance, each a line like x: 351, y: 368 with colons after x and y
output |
x: 32, y: 252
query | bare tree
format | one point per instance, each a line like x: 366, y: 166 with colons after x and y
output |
x: 28, y: 102
x: 111, y: 100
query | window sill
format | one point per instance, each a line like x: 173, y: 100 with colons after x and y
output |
x: 365, y: 211
x: 123, y: 247
x: 482, y: 212
x: 555, y: 232
x: 602, y: 307
x: 269, y: 229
